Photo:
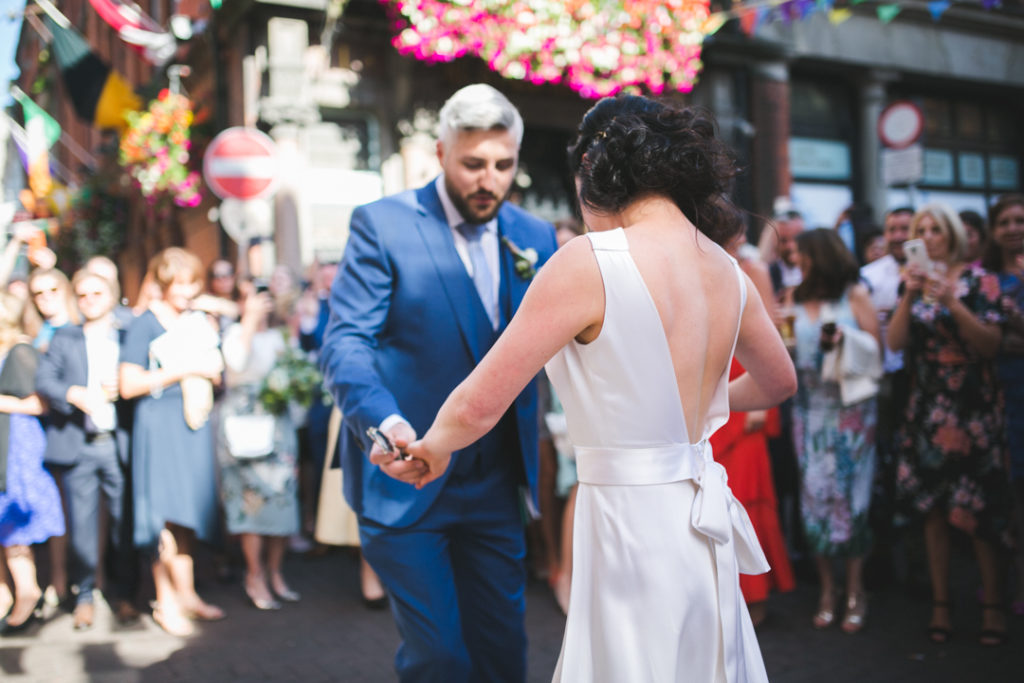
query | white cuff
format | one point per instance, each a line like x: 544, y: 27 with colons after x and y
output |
x: 390, y: 421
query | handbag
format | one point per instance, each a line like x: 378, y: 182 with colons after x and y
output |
x: 336, y: 523
x: 249, y: 436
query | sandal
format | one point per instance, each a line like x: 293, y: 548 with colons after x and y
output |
x: 856, y: 612
x: 204, y: 611
x: 992, y: 637
x: 172, y: 620
x: 825, y: 615
x: 938, y: 634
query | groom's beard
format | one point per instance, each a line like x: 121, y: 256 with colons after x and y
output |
x: 464, y: 204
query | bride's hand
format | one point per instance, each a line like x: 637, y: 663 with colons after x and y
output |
x: 436, y: 463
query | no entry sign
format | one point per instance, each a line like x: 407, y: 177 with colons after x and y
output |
x: 241, y: 163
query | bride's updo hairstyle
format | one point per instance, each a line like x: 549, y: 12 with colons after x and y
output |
x: 631, y: 146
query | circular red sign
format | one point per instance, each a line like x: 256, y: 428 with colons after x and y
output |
x: 900, y: 124
x: 241, y: 163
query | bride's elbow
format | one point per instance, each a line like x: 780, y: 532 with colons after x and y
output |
x: 786, y: 386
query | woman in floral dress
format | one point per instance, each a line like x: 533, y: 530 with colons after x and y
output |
x: 835, y: 443
x: 260, y: 493
x: 950, y: 448
x: 1004, y: 255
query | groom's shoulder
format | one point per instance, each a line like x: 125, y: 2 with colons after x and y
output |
x: 407, y: 201
x: 525, y: 220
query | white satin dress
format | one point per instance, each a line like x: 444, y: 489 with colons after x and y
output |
x: 658, y: 540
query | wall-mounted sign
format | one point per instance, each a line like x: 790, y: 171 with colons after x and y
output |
x: 972, y: 169
x: 1003, y: 172
x: 814, y: 159
x: 900, y: 124
x: 938, y: 168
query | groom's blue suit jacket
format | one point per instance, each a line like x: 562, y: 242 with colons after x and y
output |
x: 406, y: 326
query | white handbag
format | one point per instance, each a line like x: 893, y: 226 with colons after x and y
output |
x: 249, y: 436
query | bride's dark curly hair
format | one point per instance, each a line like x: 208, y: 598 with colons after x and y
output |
x: 630, y: 146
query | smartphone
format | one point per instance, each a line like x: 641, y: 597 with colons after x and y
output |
x: 917, y: 253
x: 261, y: 286
x: 384, y: 443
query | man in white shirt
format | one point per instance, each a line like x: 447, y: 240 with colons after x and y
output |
x: 784, y: 271
x: 883, y: 280
x: 87, y: 444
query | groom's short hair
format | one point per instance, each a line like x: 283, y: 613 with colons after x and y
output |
x: 479, y: 107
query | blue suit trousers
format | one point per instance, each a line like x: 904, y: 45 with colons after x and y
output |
x: 456, y: 580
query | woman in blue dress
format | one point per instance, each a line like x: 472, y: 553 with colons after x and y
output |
x: 30, y: 510
x: 167, y: 366
x: 1004, y: 256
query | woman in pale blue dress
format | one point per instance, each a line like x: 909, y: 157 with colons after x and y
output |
x: 260, y: 493
x: 174, y: 485
x: 835, y: 443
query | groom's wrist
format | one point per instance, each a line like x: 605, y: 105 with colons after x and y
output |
x: 390, y: 421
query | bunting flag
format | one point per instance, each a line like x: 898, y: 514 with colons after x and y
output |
x: 12, y: 13
x: 99, y: 94
x: 887, y: 13
x: 838, y: 16
x: 938, y: 8
x: 41, y: 133
x: 138, y: 29
x: 713, y: 23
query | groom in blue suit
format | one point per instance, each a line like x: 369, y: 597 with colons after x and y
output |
x: 429, y: 280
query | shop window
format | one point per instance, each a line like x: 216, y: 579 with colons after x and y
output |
x: 969, y: 121
x: 938, y: 118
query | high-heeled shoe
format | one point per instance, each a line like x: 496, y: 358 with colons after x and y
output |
x: 939, y: 633
x: 991, y: 637
x: 287, y: 594
x: 8, y: 630
x: 826, y: 613
x: 856, y: 613
x: 261, y: 603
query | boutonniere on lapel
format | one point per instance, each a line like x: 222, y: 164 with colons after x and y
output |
x: 524, y: 260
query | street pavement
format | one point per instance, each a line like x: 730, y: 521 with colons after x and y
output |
x: 331, y: 636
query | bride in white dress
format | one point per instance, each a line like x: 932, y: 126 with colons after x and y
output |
x: 637, y: 323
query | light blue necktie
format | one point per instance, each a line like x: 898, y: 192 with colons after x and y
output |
x: 481, y: 273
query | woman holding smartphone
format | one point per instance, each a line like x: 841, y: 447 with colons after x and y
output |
x: 949, y: 450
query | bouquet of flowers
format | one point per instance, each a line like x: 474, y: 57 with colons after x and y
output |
x: 154, y: 150
x: 294, y: 379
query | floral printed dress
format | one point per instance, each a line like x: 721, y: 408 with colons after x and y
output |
x: 949, y: 450
x: 835, y: 447
x: 260, y: 494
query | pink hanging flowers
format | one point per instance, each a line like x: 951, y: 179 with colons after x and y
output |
x: 597, y: 47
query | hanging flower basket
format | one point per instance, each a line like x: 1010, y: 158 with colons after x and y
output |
x: 597, y: 47
x: 154, y: 150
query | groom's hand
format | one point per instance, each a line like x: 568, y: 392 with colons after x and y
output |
x: 392, y: 464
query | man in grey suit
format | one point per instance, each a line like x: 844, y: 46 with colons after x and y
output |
x: 87, y: 442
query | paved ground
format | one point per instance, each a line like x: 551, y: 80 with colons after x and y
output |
x: 330, y: 636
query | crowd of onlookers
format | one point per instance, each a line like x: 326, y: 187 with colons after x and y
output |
x: 127, y: 434
x: 909, y: 419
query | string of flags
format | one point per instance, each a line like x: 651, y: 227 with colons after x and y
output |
x: 755, y: 13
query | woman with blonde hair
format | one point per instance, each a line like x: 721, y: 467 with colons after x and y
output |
x: 30, y: 510
x: 165, y: 350
x: 949, y: 450
x: 53, y: 305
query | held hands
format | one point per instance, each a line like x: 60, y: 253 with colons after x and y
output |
x: 434, y: 464
x: 393, y: 464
